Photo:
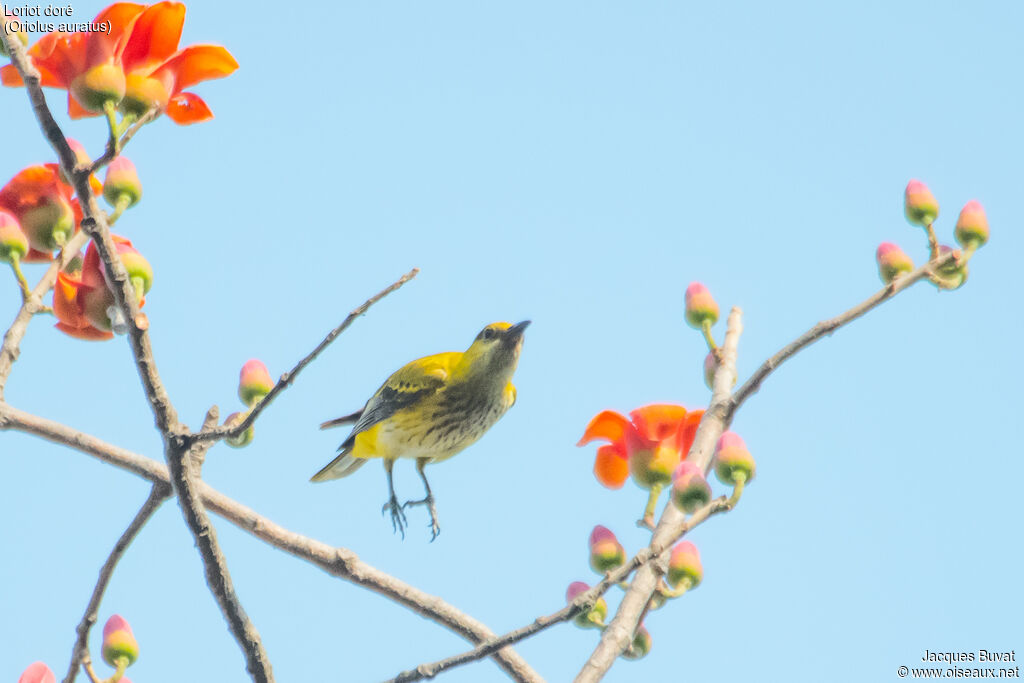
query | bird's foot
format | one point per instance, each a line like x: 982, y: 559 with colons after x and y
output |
x: 398, y: 521
x: 435, y: 527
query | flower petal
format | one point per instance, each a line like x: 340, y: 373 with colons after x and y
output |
x: 610, y: 467
x: 89, y: 333
x: 187, y: 108
x: 77, y: 111
x: 607, y: 424
x: 658, y: 421
x: 122, y: 17
x: 154, y: 36
x: 688, y: 430
x: 197, y: 63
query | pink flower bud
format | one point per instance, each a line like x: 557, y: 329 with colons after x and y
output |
x: 919, y: 204
x: 954, y: 273
x: 690, y: 490
x: 595, y: 617
x: 254, y: 382
x: 640, y: 645
x: 684, y: 565
x: 122, y: 183
x: 700, y: 305
x: 243, y: 439
x: 37, y: 672
x: 732, y: 460
x: 972, y: 225
x: 119, y: 642
x: 892, y: 262
x: 13, y: 243
x: 605, y: 550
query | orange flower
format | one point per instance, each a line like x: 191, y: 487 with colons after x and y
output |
x: 137, y: 64
x: 649, y: 445
x: 81, y: 300
x: 44, y: 205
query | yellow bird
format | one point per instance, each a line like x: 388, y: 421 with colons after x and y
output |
x: 429, y: 410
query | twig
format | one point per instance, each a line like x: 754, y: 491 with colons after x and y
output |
x: 157, y: 495
x: 829, y: 326
x: 9, y: 350
x: 339, y: 562
x: 582, y: 602
x: 111, y: 151
x: 287, y: 378
x: 619, y: 633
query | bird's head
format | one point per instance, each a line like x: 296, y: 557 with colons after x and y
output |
x: 496, y: 349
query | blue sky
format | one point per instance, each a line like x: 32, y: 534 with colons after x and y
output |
x: 578, y: 164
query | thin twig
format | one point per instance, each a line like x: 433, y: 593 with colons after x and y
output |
x: 157, y: 495
x: 336, y: 561
x: 827, y: 327
x: 111, y: 152
x: 582, y: 603
x: 10, y: 348
x: 287, y: 378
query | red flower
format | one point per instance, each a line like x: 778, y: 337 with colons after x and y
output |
x: 137, y: 64
x: 45, y: 208
x: 649, y: 446
x: 81, y: 300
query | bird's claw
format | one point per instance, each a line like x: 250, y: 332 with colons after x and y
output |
x: 398, y: 520
x: 435, y: 527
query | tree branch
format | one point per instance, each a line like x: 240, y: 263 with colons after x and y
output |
x: 339, y: 562
x: 287, y: 378
x: 582, y: 603
x: 80, y: 652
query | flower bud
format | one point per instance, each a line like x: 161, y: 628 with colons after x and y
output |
x: 48, y: 224
x: 37, y: 672
x: 972, y: 225
x: 13, y: 243
x: 954, y: 273
x: 97, y: 86
x: 119, y: 642
x: 690, y: 490
x: 595, y: 617
x: 243, y: 439
x: 733, y: 460
x: 640, y: 645
x: 892, y: 262
x: 122, y: 183
x: 919, y: 204
x: 605, y: 550
x: 700, y: 306
x: 684, y: 564
x: 254, y: 382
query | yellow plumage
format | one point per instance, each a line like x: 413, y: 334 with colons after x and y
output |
x: 431, y: 409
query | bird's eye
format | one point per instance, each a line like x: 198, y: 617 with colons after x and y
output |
x: 488, y: 333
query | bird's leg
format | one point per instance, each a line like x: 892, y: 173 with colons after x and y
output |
x: 435, y: 528
x: 398, y: 521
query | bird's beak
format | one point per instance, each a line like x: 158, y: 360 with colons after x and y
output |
x: 516, y: 331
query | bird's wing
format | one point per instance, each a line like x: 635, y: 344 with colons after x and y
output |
x: 411, y: 384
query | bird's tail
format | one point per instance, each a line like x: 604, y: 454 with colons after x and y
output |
x: 343, y: 420
x: 342, y: 466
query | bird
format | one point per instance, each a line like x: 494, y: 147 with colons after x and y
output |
x: 429, y: 410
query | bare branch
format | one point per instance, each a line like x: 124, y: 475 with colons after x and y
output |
x: 157, y: 495
x: 112, y: 151
x: 827, y: 327
x: 339, y: 562
x: 287, y: 378
x: 582, y: 603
